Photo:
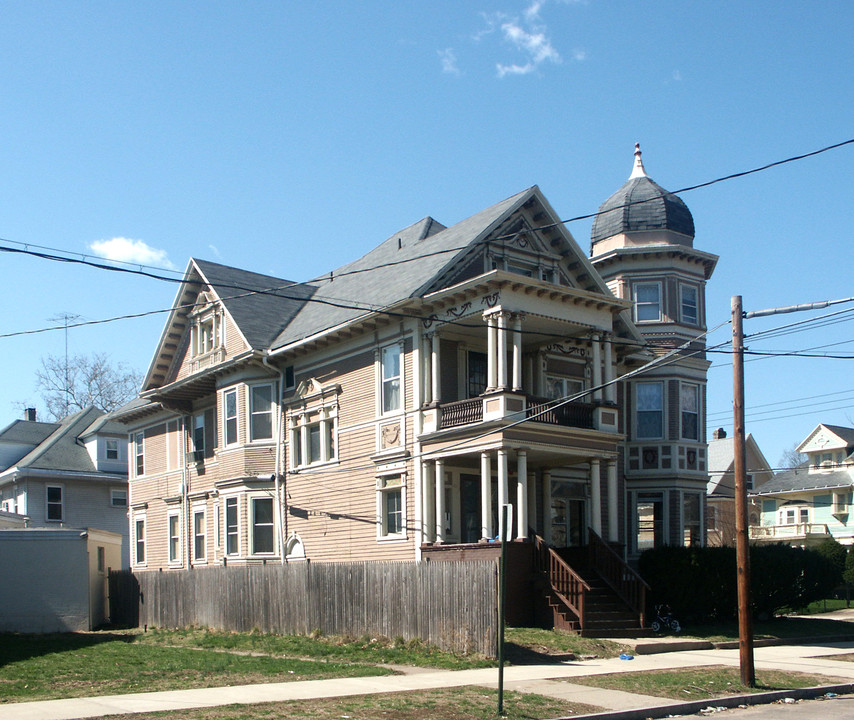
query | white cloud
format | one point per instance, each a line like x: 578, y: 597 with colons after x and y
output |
x: 448, y: 59
x: 215, y: 250
x: 135, y: 252
x: 579, y: 55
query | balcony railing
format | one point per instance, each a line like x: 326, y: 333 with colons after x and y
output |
x: 466, y: 412
x: 573, y: 414
x: 463, y: 412
x: 788, y: 532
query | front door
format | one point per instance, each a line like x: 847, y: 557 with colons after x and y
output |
x: 568, y: 514
x: 470, y: 508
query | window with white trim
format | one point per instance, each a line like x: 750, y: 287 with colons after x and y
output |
x: 139, y: 540
x: 261, y: 412
x: 263, y: 526
x: 199, y: 535
x: 688, y: 306
x: 790, y: 515
x: 119, y: 497
x: 173, y: 525
x: 139, y: 453
x: 313, y: 436
x: 689, y: 400
x: 649, y: 413
x: 558, y: 387
x: 54, y: 503
x: 199, y: 437
x: 206, y: 326
x: 111, y: 449
x: 232, y: 545
x: 391, y: 501
x: 229, y: 416
x: 647, y: 297
x: 391, y: 387
x: 840, y: 503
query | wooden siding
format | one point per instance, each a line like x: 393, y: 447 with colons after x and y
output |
x: 453, y: 606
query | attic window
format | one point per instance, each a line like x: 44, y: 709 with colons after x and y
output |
x: 206, y: 327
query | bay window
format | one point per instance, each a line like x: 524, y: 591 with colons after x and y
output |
x: 649, y: 397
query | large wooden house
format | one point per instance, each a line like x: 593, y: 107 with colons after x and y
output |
x: 388, y: 410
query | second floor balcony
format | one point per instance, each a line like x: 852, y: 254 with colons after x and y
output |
x: 797, y: 532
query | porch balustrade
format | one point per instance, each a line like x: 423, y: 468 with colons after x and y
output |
x: 466, y: 412
x: 788, y: 532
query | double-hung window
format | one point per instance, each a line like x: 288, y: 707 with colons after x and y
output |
x: 690, y: 406
x: 231, y: 528
x: 111, y: 449
x: 649, y: 415
x: 55, y: 505
x: 199, y: 437
x: 391, y: 379
x: 391, y: 506
x: 229, y: 416
x: 313, y: 436
x: 647, y: 301
x: 139, y: 453
x: 263, y: 536
x: 174, y: 536
x: 139, y: 540
x: 199, y: 535
x: 261, y: 412
x: 688, y: 304
x: 119, y: 498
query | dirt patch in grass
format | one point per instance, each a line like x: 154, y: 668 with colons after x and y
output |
x: 700, y: 683
x: 462, y: 703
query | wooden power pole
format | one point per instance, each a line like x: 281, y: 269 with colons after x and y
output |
x: 742, y: 544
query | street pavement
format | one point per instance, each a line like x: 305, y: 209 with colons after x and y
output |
x: 554, y: 680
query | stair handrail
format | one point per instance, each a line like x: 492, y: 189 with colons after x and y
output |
x: 623, y: 579
x: 567, y: 584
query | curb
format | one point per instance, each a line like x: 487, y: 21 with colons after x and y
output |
x: 654, y: 648
x: 730, y: 701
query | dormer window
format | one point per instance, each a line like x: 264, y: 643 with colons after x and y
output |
x: 206, y: 326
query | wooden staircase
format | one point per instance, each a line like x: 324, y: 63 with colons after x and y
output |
x: 591, y: 591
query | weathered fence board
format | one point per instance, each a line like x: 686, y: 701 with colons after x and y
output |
x: 453, y: 606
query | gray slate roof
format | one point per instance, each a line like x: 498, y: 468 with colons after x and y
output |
x: 260, y: 316
x: 26, y: 432
x: 642, y: 204
x: 800, y: 478
x: 60, y: 450
x: 383, y: 277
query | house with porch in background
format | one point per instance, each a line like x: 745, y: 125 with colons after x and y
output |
x: 804, y: 505
x: 389, y: 409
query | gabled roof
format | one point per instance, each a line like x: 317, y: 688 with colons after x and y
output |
x: 842, y: 435
x: 27, y: 432
x: 60, y: 449
x: 722, y: 462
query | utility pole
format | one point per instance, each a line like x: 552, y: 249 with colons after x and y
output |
x: 742, y: 540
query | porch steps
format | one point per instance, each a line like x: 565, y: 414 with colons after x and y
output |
x: 606, y: 615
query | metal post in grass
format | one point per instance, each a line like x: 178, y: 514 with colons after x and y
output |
x: 502, y: 593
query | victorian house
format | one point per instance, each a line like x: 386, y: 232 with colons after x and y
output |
x: 388, y: 411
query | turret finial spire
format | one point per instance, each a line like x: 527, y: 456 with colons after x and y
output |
x: 637, y: 169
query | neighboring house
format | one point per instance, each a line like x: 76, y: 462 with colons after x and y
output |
x: 720, y: 492
x: 70, y: 474
x: 810, y: 503
x: 387, y: 411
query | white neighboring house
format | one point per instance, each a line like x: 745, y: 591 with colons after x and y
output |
x: 811, y: 502
x: 69, y: 474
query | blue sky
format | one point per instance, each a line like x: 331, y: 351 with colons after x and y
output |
x: 289, y: 138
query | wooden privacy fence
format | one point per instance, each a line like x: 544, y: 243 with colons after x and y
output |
x: 452, y: 605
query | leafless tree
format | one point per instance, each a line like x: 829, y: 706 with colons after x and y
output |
x: 83, y: 380
x: 791, y: 458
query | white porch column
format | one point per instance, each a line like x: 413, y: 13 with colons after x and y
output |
x: 440, y: 501
x: 517, y: 352
x: 597, y: 367
x: 502, y: 489
x: 434, y: 368
x: 502, y: 350
x: 547, y: 505
x: 521, y: 494
x: 613, y: 507
x: 491, y: 350
x: 486, y: 528
x: 595, y: 498
x: 611, y: 388
x: 428, y: 497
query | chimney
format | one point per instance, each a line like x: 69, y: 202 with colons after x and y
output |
x: 719, y: 434
x: 30, y: 414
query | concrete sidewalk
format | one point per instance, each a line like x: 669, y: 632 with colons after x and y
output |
x: 551, y: 680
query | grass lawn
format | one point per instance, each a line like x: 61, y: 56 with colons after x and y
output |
x: 780, y: 627
x: 538, y: 645
x: 462, y: 703
x: 700, y: 683
x: 42, y: 667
